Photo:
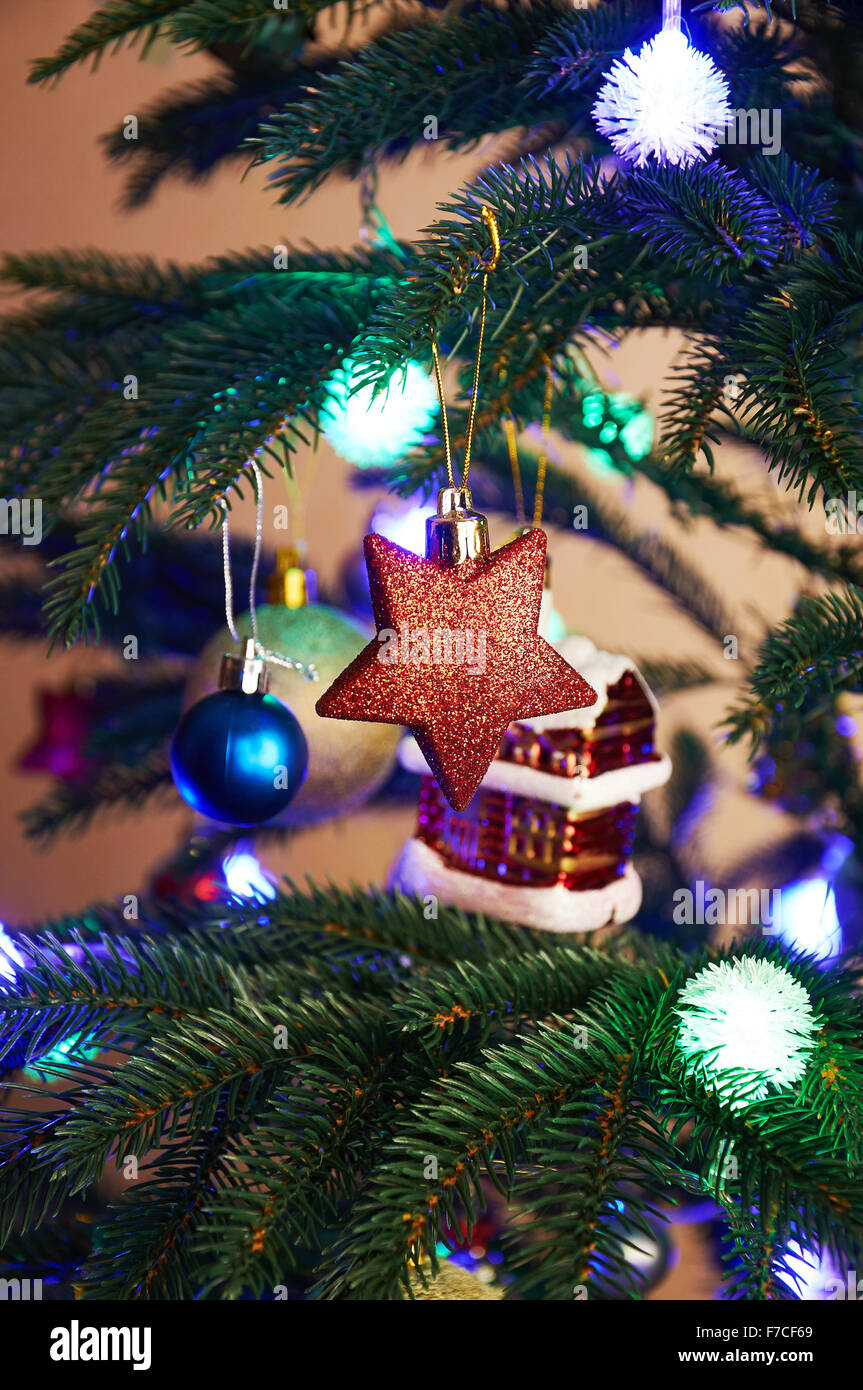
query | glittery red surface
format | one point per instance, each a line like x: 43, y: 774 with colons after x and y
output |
x: 457, y: 711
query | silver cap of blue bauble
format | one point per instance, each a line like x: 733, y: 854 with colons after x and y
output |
x: 248, y: 672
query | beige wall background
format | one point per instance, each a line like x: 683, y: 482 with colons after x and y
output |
x: 59, y: 191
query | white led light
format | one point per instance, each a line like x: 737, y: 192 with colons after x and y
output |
x: 667, y: 102
x: 747, y: 1024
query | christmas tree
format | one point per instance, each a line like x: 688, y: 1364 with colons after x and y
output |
x: 326, y: 1093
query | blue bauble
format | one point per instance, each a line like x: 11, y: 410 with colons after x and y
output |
x: 239, y: 758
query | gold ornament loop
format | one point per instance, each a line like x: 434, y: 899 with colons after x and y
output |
x: 490, y: 221
x: 487, y: 259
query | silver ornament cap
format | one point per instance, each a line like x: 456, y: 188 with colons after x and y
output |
x: 247, y: 673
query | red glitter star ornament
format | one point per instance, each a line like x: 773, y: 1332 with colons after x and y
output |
x: 457, y: 656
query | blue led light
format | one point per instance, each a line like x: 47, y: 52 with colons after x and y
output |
x: 10, y: 956
x: 403, y: 524
x: 808, y: 920
x: 245, y: 877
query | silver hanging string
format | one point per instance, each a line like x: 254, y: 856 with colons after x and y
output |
x: 226, y: 570
x: 305, y: 668
x: 259, y: 533
x: 671, y: 14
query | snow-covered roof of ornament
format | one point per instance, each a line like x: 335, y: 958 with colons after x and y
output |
x: 627, y: 782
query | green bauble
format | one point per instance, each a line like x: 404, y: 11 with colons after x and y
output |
x: 347, y: 761
x: 453, y: 1283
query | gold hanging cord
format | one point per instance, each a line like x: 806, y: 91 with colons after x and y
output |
x: 542, y: 461
x: 512, y: 446
x: 489, y: 263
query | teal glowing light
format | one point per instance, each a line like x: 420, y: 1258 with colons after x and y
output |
x: 637, y: 435
x: 374, y: 431
x: 617, y: 417
x: 593, y: 410
x: 45, y: 1068
x: 555, y: 627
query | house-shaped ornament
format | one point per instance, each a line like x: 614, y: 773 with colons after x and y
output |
x: 547, y: 839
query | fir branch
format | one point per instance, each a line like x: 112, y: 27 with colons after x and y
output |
x: 189, y: 133
x: 103, y: 989
x: 818, y: 651
x: 453, y: 1001
x: 257, y: 1187
x: 696, y: 494
x: 177, y: 421
x: 55, y: 1251
x: 142, y: 1250
x: 464, y: 71
x: 753, y: 1256
x: 479, y: 1112
x: 191, y: 1068
x: 705, y: 218
x: 275, y: 363
x: 810, y: 1184
x: 381, y: 1069
x: 375, y: 920
x: 116, y: 22
x: 94, y: 273
x: 578, y: 49
x: 541, y: 212
x: 806, y: 1181
x: 194, y: 24
x: 72, y: 806
x: 176, y: 573
x: 240, y: 27
x: 601, y: 1157
x: 699, y: 384
x: 804, y: 201
x: 309, y: 1157
x: 299, y: 1167
x: 803, y: 411
x: 666, y: 676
